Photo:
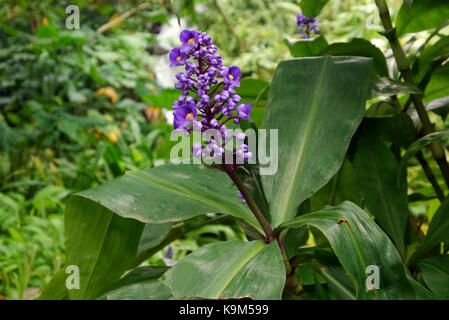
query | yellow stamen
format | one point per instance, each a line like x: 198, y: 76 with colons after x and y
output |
x: 191, y: 41
x: 189, y: 116
x: 178, y: 58
x: 231, y: 77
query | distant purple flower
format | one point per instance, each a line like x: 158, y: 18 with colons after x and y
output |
x: 189, y: 40
x: 233, y: 75
x: 307, y: 25
x: 169, y: 253
x: 177, y: 58
x: 185, y: 115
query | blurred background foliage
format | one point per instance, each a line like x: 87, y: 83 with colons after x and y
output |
x: 80, y: 107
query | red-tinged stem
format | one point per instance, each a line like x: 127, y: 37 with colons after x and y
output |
x: 251, y: 203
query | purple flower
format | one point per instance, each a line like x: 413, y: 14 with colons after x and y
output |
x: 233, y: 75
x: 307, y: 25
x: 241, y: 196
x: 189, y: 40
x: 177, y: 58
x: 244, y: 111
x: 184, y: 116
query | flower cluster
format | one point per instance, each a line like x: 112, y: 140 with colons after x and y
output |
x: 307, y: 25
x: 208, y: 99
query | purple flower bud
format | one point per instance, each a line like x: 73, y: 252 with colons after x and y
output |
x: 240, y: 136
x: 214, y: 122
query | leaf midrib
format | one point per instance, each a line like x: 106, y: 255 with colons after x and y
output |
x: 292, y: 182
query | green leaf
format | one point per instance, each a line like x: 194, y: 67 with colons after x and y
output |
x: 171, y: 193
x: 231, y: 269
x: 435, y: 272
x: 421, y: 15
x: 312, y: 8
x: 152, y: 235
x: 420, y: 144
x: 385, y: 87
x: 56, y: 289
x: 439, y: 106
x: 358, y: 243
x: 430, y: 53
x: 340, y: 188
x: 178, y: 6
x: 360, y: 47
x: 438, y: 230
x: 377, y: 171
x: 316, y: 104
x: 421, y: 292
x: 136, y: 283
x: 254, y: 91
x: 438, y: 86
x: 308, y: 47
x: 397, y: 128
x: 338, y: 282
x: 153, y: 290
x: 100, y: 243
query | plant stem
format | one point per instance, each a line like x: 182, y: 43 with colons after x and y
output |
x: 404, y: 67
x: 430, y: 176
x: 251, y: 203
x: 242, y: 44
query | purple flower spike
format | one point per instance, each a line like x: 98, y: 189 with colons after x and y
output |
x: 184, y: 116
x: 233, y: 75
x: 208, y: 99
x: 177, y: 58
x: 189, y: 40
x: 244, y: 111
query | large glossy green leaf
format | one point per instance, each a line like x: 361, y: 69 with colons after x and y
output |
x: 435, y: 272
x: 359, y: 47
x: 171, y: 193
x: 316, y: 104
x: 421, y: 15
x: 231, y: 269
x: 358, y: 243
x: 438, y: 230
x: 100, y: 243
x: 377, y: 172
